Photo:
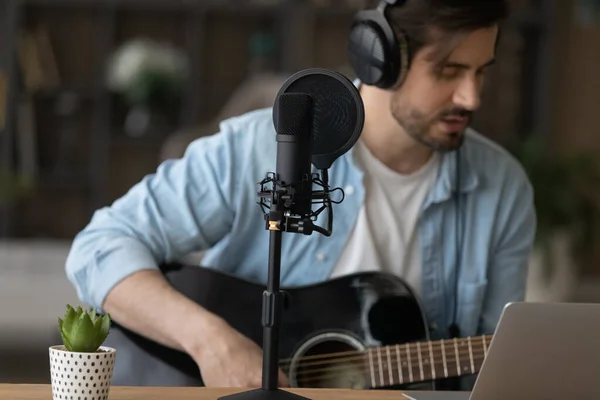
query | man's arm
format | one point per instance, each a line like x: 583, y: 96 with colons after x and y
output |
x: 507, y: 274
x: 185, y: 206
x: 163, y: 315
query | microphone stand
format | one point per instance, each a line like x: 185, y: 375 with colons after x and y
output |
x: 277, y: 222
x: 290, y: 210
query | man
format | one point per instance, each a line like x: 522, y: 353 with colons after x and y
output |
x: 399, y: 215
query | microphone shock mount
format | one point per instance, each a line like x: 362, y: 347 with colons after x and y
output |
x: 277, y: 201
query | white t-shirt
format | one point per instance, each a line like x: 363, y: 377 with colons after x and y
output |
x: 385, y: 237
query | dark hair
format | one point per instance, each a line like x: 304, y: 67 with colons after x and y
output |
x: 425, y: 22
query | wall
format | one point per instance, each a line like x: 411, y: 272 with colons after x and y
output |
x: 575, y: 94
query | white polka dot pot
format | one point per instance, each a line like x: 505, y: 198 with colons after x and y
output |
x: 81, y: 376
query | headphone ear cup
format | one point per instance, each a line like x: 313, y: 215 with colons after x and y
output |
x: 373, y: 51
x: 367, y: 54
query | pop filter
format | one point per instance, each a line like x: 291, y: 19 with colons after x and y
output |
x: 338, y: 112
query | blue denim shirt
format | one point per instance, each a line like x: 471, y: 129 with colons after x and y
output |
x: 207, y: 201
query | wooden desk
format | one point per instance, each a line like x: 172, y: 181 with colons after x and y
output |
x: 44, y: 392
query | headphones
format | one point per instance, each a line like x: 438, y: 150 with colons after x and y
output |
x: 379, y: 56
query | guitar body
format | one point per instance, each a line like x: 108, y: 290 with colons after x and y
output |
x: 345, y: 314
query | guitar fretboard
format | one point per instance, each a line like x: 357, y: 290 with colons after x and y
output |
x: 424, y: 361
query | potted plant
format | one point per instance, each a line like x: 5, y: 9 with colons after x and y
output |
x: 151, y: 77
x: 567, y: 209
x: 81, y: 368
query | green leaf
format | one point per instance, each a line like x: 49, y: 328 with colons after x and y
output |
x: 93, y: 315
x: 82, y: 335
x: 66, y: 326
x: 70, y: 318
x: 102, y: 327
x: 105, y: 325
x: 65, y: 339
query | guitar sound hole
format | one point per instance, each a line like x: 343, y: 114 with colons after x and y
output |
x: 329, y: 361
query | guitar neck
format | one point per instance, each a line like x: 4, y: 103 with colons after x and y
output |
x: 424, y: 361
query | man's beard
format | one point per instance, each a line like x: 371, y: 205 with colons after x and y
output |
x: 418, y: 127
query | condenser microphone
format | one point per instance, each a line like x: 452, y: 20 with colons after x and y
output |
x: 318, y: 115
x: 294, y: 129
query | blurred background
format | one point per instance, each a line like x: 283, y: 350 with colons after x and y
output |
x: 96, y: 93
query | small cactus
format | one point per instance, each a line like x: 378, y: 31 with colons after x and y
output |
x: 83, y: 331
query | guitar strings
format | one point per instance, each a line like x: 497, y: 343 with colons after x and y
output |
x: 404, y: 371
x: 477, y: 340
x: 450, y: 358
x: 408, y: 348
x: 382, y: 375
x: 385, y: 380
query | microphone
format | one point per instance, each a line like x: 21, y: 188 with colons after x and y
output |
x: 294, y: 126
x: 318, y: 116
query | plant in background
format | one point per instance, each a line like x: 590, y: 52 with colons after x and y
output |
x: 13, y: 186
x: 83, y: 331
x: 566, y: 196
x: 151, y: 76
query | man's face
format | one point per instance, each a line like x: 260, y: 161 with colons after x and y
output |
x: 435, y: 103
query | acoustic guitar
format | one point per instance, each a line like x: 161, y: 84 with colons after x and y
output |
x: 362, y: 331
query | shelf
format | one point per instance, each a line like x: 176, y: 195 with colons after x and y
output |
x: 82, y: 93
x: 63, y: 180
x: 242, y: 7
x: 334, y: 11
x: 145, y: 142
x: 155, y: 5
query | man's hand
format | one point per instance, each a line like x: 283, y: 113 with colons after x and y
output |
x: 225, y: 357
x: 229, y: 359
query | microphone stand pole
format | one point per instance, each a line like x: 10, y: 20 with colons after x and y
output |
x: 271, y: 313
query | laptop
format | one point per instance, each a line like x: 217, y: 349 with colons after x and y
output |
x: 543, y: 351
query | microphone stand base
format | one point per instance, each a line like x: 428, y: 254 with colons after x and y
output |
x: 263, y: 394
